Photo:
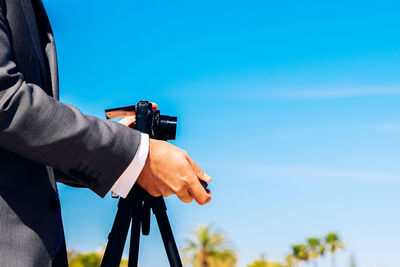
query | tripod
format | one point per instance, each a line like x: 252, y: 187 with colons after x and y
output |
x: 136, y: 209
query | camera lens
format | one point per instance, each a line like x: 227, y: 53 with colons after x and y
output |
x: 166, y: 127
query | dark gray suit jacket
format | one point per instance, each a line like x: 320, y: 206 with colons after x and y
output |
x: 42, y: 139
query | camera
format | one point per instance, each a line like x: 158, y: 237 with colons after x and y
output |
x: 148, y: 121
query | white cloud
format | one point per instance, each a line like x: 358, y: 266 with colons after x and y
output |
x: 268, y: 92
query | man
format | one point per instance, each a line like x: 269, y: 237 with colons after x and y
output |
x: 42, y: 140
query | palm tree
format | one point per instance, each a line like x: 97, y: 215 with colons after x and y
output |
x: 209, y: 248
x: 333, y: 243
x: 315, y: 248
x: 300, y: 252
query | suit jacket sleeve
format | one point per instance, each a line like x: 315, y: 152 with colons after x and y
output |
x: 92, y: 151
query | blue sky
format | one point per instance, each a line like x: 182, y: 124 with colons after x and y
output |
x: 291, y: 106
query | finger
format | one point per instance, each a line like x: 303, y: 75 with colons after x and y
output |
x: 128, y: 121
x: 199, y: 172
x: 154, y: 105
x: 184, y: 196
x: 199, y: 193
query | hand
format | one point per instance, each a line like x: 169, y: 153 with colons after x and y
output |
x: 128, y: 121
x: 169, y: 170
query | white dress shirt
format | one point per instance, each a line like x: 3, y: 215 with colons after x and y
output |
x: 125, y: 182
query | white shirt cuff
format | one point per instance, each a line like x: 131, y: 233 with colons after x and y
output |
x: 125, y: 182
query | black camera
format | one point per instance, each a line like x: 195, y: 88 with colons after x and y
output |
x: 148, y: 121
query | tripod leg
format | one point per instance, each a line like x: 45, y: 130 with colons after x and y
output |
x: 146, y: 218
x: 117, y: 237
x: 135, y: 233
x: 160, y: 211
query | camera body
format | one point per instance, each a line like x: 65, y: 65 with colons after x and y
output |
x: 148, y: 121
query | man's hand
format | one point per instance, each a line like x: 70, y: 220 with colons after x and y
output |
x: 128, y: 121
x: 169, y: 170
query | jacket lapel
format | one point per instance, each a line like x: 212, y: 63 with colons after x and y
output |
x: 52, y: 59
x: 32, y: 25
x: 49, y: 46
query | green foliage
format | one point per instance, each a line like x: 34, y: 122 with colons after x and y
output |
x: 92, y: 259
x: 333, y: 242
x: 315, y: 247
x: 300, y: 252
x: 84, y: 260
x: 209, y: 248
x: 261, y: 262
